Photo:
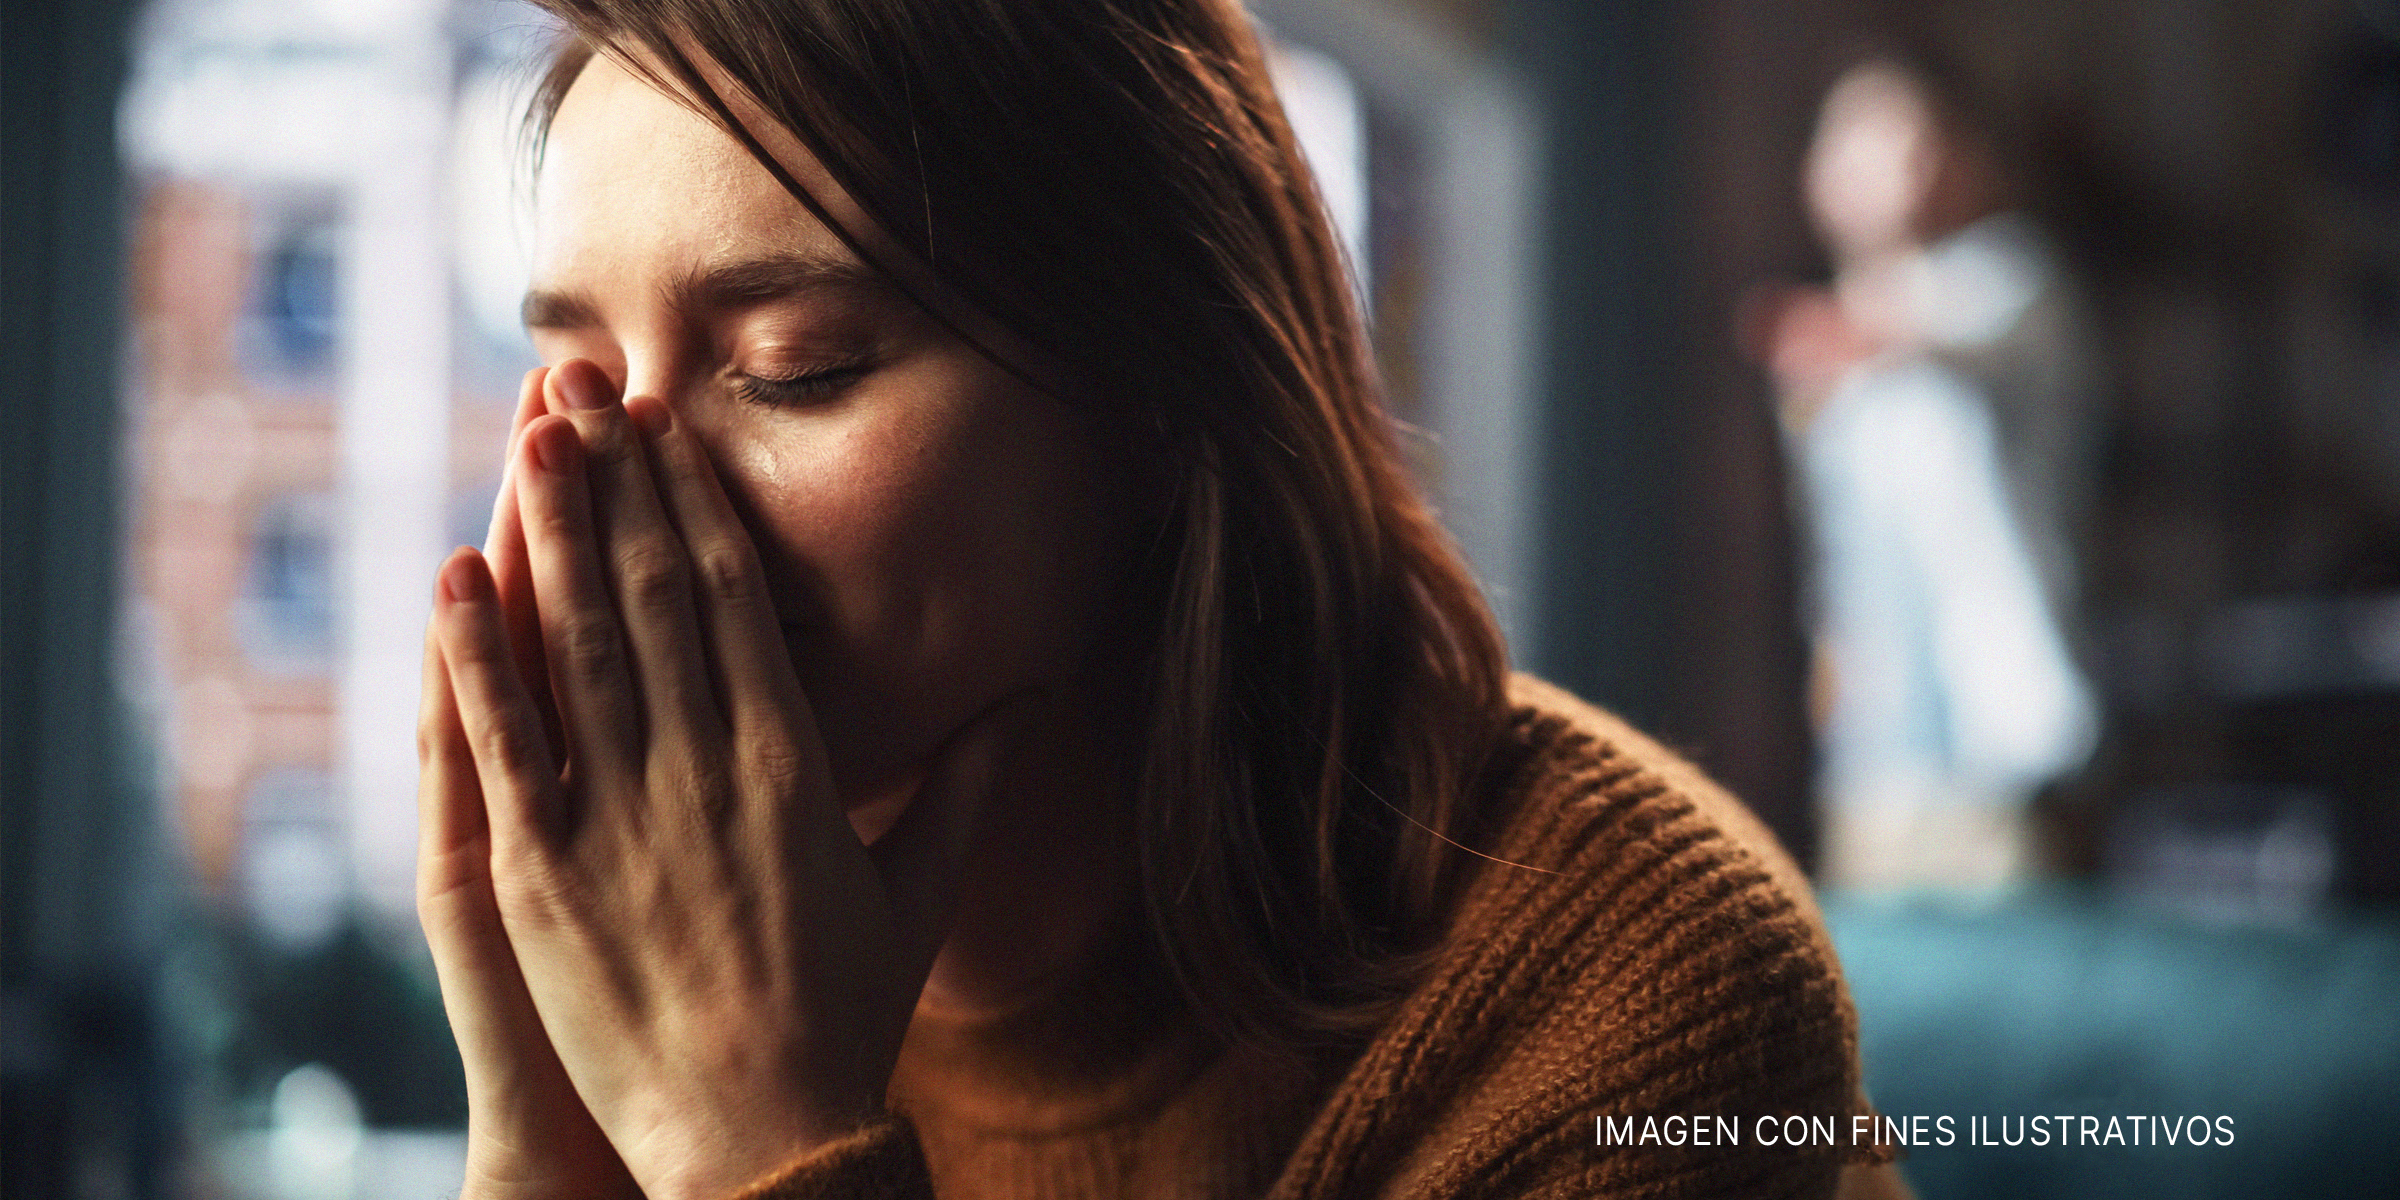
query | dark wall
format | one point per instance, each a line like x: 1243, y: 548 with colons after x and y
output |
x: 80, y: 1107
x: 1664, y: 577
x: 1601, y: 77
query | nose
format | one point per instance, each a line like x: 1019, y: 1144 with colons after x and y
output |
x: 649, y: 372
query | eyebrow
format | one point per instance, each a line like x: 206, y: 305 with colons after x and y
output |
x: 733, y: 284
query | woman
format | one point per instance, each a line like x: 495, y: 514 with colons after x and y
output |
x: 962, y: 699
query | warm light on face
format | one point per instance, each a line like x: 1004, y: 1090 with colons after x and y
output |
x: 937, y: 533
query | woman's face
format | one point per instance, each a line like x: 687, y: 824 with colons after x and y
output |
x: 937, y: 534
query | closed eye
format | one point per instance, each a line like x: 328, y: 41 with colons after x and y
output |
x: 804, y: 388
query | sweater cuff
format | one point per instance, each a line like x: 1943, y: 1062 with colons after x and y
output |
x: 877, y: 1161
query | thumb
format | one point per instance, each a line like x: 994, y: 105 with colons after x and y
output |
x: 920, y: 856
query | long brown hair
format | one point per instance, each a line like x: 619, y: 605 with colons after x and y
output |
x: 1113, y: 181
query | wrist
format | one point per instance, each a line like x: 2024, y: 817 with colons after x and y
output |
x: 689, y: 1163
x: 484, y: 1185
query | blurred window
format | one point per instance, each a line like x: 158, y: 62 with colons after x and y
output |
x: 289, y: 336
x: 324, y: 356
x: 288, y: 614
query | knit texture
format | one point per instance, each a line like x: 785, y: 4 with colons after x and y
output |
x: 877, y: 1161
x: 1645, y: 950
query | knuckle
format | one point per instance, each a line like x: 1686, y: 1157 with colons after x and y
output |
x: 729, y: 571
x: 530, y: 888
x: 651, y: 577
x: 588, y: 645
x: 700, y: 774
x: 774, y: 762
x: 509, y: 743
x: 552, y: 519
x: 607, y: 437
x: 477, y: 647
x: 434, y: 902
x: 703, y: 786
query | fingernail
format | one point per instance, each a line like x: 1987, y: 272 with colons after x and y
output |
x: 554, y: 447
x: 583, y: 389
x: 653, y: 416
x: 462, y: 580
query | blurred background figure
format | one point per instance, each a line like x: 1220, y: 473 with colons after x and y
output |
x: 1939, y: 402
x: 2093, y: 432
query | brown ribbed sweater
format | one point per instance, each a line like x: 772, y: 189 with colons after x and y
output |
x: 1667, y: 960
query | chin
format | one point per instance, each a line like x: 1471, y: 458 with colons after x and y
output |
x: 874, y: 740
x: 882, y: 727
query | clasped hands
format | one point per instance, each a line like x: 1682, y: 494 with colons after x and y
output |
x: 670, y: 963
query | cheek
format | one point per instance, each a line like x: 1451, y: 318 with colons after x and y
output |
x: 836, y: 495
x: 930, y: 555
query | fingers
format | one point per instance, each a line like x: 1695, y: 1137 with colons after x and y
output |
x: 481, y: 985
x: 512, y: 573
x: 742, y: 635
x: 504, y: 542
x: 452, y: 851
x: 591, y: 672
x: 644, y: 569
x: 496, y: 716
x: 525, y: 1122
x: 531, y: 403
